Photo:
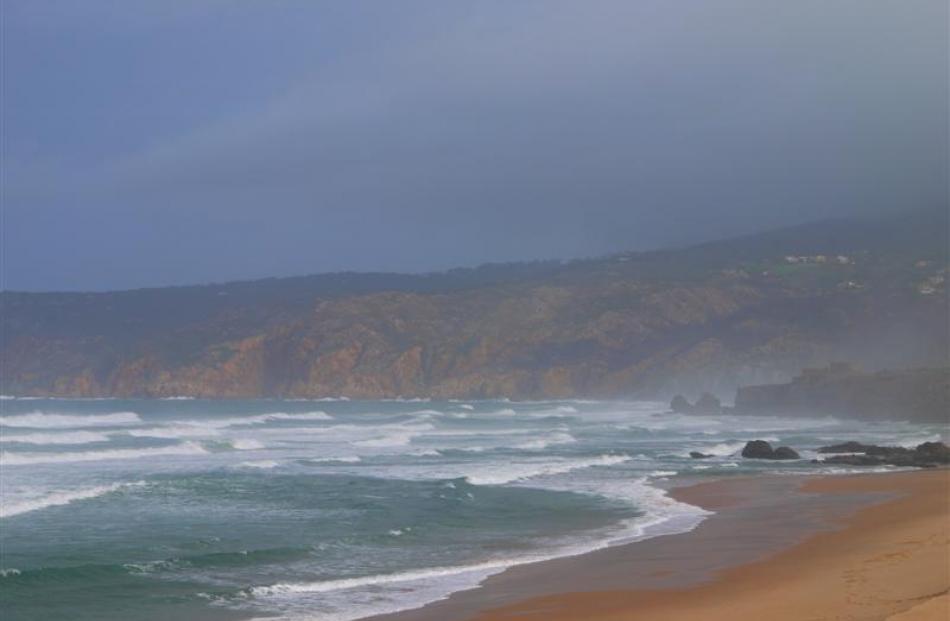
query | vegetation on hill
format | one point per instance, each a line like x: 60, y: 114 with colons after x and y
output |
x: 705, y: 318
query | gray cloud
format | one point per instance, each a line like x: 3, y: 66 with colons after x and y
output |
x: 424, y: 135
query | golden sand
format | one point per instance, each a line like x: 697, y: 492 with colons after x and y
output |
x: 890, y: 561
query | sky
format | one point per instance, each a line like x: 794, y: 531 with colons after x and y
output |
x: 163, y: 142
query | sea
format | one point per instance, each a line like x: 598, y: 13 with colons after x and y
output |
x: 335, y: 510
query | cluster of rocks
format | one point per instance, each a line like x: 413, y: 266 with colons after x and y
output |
x: 760, y: 449
x: 926, y: 455
x: 706, y: 404
x: 757, y: 449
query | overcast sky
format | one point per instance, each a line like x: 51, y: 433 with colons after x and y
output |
x: 170, y: 142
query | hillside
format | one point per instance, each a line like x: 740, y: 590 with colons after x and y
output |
x: 921, y: 395
x: 710, y: 317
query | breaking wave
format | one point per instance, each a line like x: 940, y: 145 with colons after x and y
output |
x: 42, y: 420
x: 500, y: 474
x: 62, y: 437
x: 54, y: 499
x: 18, y: 459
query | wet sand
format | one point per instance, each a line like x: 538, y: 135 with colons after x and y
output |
x: 871, y: 546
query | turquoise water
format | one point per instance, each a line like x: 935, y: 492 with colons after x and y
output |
x: 336, y: 510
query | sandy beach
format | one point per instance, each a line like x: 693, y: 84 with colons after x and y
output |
x: 869, y: 546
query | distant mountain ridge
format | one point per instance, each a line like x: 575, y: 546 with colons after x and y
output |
x: 708, y: 317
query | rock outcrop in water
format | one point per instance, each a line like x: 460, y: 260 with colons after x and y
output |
x: 760, y: 449
x: 706, y: 404
x: 926, y: 455
x: 680, y: 405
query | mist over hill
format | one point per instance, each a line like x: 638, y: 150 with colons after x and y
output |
x: 703, y: 318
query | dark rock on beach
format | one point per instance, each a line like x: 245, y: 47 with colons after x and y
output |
x: 937, y: 451
x: 757, y: 449
x: 784, y: 452
x: 698, y: 455
x: 853, y: 460
x: 926, y: 455
x: 846, y: 447
x: 760, y: 449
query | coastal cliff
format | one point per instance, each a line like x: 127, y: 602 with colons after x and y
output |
x: 921, y: 395
x: 707, y: 318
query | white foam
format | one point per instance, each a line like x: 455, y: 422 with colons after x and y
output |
x: 426, y: 453
x: 399, y: 435
x: 245, y: 444
x: 18, y: 459
x: 326, y: 586
x: 257, y: 419
x: 347, y: 599
x: 502, y: 473
x: 915, y: 440
x: 42, y: 420
x: 264, y: 464
x: 61, y: 437
x: 394, y: 439
x: 504, y: 412
x: 561, y: 437
x: 346, y: 459
x: 63, y: 497
x: 316, y: 415
x: 173, y: 432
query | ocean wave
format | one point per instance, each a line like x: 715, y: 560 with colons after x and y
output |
x: 539, y: 444
x: 264, y: 464
x: 326, y: 586
x: 18, y: 459
x: 43, y: 420
x: 257, y: 419
x: 245, y: 444
x: 425, y: 453
x: 172, y: 432
x: 391, y: 440
x: 347, y: 599
x: 726, y: 449
x: 397, y: 435
x: 500, y: 474
x: 62, y: 437
x: 65, y: 497
x: 199, y: 428
x: 345, y: 459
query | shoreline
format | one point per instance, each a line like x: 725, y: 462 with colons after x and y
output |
x: 742, y: 559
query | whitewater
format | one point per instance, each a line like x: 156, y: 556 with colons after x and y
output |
x: 334, y: 509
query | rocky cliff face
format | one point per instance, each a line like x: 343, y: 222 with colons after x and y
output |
x: 839, y: 390
x: 700, y: 319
